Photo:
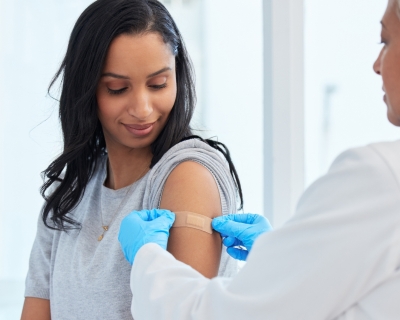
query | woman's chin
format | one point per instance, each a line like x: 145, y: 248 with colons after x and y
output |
x: 129, y: 144
x: 393, y: 117
x: 139, y: 145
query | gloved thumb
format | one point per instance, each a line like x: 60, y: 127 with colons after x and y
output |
x: 150, y: 215
x: 238, y: 254
x: 247, y: 218
x: 230, y: 228
x: 231, y: 242
x: 165, y: 220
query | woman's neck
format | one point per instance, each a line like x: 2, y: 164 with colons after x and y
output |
x: 125, y: 166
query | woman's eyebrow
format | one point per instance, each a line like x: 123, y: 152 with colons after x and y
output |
x: 383, y: 25
x: 119, y: 76
x: 158, y: 72
x: 114, y: 75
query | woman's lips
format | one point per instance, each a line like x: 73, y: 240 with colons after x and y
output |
x: 139, y: 129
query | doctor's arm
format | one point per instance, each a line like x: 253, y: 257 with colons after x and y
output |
x: 338, y: 247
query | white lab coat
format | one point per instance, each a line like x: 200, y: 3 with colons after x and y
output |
x: 337, y: 258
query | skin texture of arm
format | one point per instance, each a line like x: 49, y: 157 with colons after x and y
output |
x: 36, y: 309
x: 191, y: 187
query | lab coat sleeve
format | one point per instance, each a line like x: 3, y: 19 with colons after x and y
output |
x: 342, y: 243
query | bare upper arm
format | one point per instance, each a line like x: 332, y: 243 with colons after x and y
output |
x: 36, y: 309
x: 191, y: 187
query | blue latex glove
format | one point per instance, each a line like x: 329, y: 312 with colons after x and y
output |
x: 141, y: 227
x: 239, y: 231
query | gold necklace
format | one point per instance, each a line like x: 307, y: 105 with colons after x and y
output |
x: 123, y: 201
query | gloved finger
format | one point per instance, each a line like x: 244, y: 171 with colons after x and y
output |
x: 238, y: 217
x: 129, y: 221
x: 249, y: 221
x: 149, y: 215
x: 232, y: 241
x: 232, y: 228
x: 228, y: 241
x: 261, y: 220
x: 145, y: 215
x: 238, y: 254
x: 155, y: 213
x: 163, y: 223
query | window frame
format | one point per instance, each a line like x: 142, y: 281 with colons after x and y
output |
x: 283, y: 36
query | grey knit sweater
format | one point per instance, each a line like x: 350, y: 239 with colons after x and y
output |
x: 89, y: 279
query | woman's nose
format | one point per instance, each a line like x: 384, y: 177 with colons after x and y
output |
x: 377, y: 64
x: 139, y: 106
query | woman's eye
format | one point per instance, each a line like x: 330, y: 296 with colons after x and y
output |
x: 119, y: 91
x: 158, y: 86
x: 383, y: 41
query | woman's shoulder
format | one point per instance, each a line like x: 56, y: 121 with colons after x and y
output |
x: 192, y: 150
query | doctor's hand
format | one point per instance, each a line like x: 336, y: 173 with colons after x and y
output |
x: 141, y: 227
x: 239, y: 231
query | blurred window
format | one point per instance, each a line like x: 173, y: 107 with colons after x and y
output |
x: 343, y: 96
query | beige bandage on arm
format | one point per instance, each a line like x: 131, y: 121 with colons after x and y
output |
x: 192, y: 220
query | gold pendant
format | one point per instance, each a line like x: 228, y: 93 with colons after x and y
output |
x: 102, y: 236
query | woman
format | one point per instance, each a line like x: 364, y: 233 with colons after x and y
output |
x: 338, y: 257
x: 126, y: 103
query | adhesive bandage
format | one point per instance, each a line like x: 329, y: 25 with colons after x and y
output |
x: 192, y: 220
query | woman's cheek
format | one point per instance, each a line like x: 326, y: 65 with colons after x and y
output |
x: 172, y: 98
x: 165, y: 103
x: 111, y: 107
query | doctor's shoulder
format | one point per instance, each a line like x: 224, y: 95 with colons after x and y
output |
x: 372, y: 158
x: 363, y: 179
x: 191, y: 159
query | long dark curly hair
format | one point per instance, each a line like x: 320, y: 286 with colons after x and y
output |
x: 80, y: 72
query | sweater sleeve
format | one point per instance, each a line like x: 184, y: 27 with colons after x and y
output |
x: 200, y: 152
x: 342, y: 244
x: 37, y: 283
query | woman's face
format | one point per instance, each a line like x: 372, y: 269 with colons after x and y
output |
x: 388, y: 63
x: 136, y: 91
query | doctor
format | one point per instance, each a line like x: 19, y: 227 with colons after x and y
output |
x: 337, y: 258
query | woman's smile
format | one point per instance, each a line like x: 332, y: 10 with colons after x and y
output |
x: 139, y: 130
